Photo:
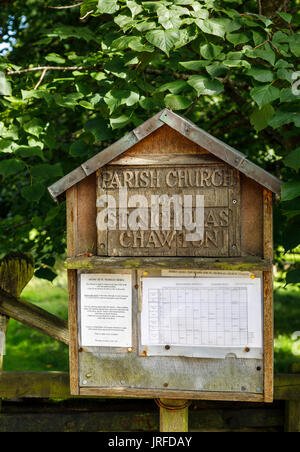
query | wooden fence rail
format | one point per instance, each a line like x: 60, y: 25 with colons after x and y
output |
x: 92, y: 414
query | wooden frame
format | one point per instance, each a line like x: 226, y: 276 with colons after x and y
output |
x: 255, y: 253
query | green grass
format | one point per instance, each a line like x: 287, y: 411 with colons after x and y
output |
x: 29, y: 350
x: 287, y: 321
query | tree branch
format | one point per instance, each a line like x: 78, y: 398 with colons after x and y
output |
x: 87, y: 14
x: 41, y: 79
x: 48, y: 68
x: 64, y: 7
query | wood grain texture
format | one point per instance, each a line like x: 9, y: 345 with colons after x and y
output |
x: 72, y: 226
x: 175, y: 420
x: 252, y: 221
x: 268, y: 299
x: 86, y: 239
x: 218, y: 183
x: 97, y: 263
x: 175, y: 395
x: 34, y: 317
x: 16, y: 385
x: 165, y: 140
x: 292, y: 416
x: 81, y: 241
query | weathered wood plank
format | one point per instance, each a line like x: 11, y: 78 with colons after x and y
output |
x: 135, y: 416
x: 268, y: 299
x: 287, y: 387
x: 21, y: 384
x: 34, y: 317
x: 292, y: 416
x: 17, y: 385
x: 174, y: 395
x: 249, y: 263
x: 72, y: 233
x: 173, y: 418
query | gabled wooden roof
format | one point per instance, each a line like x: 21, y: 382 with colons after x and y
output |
x: 188, y: 129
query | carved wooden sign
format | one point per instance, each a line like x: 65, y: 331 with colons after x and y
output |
x: 152, y: 210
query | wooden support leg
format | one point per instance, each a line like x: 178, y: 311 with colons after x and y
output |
x: 3, y: 328
x: 173, y: 415
x: 292, y: 416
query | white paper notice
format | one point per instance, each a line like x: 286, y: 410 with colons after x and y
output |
x: 202, y: 312
x: 106, y: 310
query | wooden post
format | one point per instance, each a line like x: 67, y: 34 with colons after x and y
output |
x: 292, y: 416
x: 173, y: 415
x: 292, y: 409
x: 16, y: 270
x: 268, y: 299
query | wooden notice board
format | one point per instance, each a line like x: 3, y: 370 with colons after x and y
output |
x: 151, y: 313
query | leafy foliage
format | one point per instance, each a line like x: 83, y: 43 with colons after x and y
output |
x: 74, y: 80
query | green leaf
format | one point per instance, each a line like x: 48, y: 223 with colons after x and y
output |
x: 78, y: 149
x: 283, y: 117
x: 149, y: 104
x: 29, y: 151
x: 292, y: 160
x: 265, y: 94
x: 210, y: 51
x: 261, y: 75
x: 107, y: 6
x: 34, y: 127
x: 238, y: 38
x: 295, y: 45
x: 11, y: 167
x: 177, y: 102
x: 196, y: 65
x: 5, y: 86
x: 264, y: 52
x: 7, y: 146
x: 174, y: 87
x: 99, y: 128
x: 134, y: 7
x: 260, y: 117
x: 288, y: 95
x: 34, y: 192
x: 47, y: 171
x: 87, y: 6
x: 290, y: 190
x: 217, y: 69
x: 168, y: 19
x: 119, y: 121
x: 287, y: 17
x: 165, y: 40
x: 55, y: 58
x: 45, y: 273
x: 205, y: 86
x: 216, y: 27
x: 69, y: 100
x: 117, y: 97
x: 186, y: 35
